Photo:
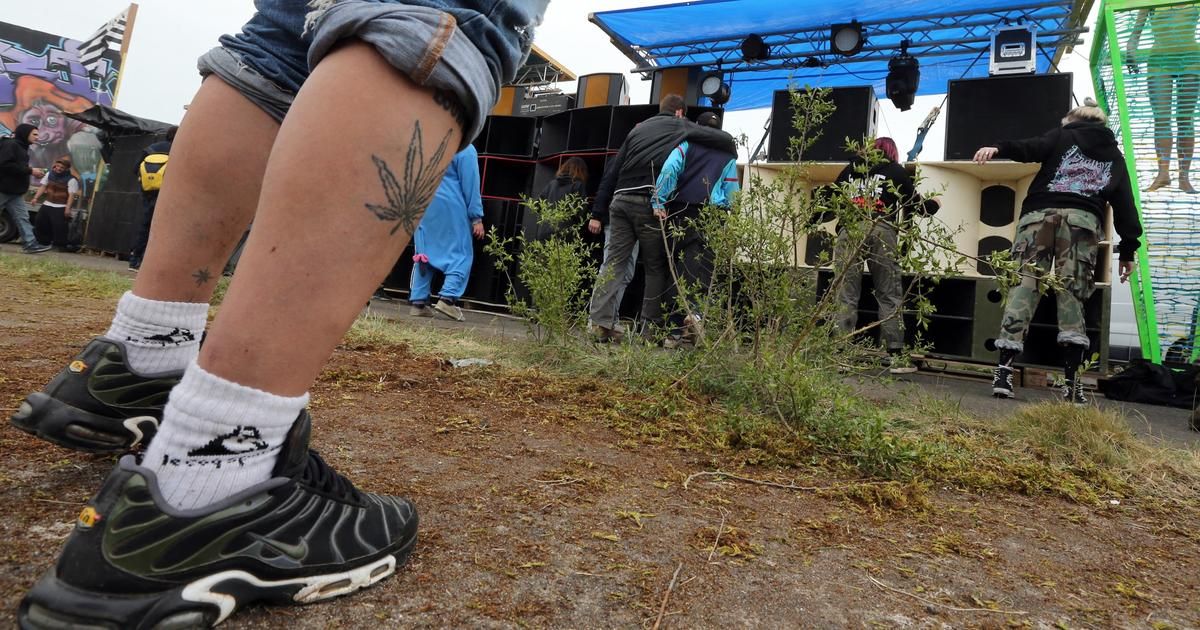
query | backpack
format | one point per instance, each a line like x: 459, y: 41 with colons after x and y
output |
x: 152, y: 170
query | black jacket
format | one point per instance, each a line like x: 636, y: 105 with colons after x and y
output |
x: 14, y: 166
x: 556, y: 190
x: 560, y: 187
x: 644, y: 151
x: 1082, y: 168
x: 888, y: 186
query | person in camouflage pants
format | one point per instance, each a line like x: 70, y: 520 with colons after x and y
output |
x: 885, y: 192
x: 1069, y: 239
x: 1082, y: 174
x: 879, y: 248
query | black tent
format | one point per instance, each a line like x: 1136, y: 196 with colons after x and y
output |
x: 118, y: 123
x: 116, y: 209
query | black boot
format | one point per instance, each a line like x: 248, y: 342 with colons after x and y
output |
x: 1002, y: 375
x: 1073, y: 388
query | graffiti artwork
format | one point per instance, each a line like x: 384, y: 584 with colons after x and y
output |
x: 41, y: 77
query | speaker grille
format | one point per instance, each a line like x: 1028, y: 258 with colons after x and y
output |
x: 986, y: 247
x: 997, y: 205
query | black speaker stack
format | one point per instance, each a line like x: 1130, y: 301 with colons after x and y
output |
x: 855, y: 117
x: 519, y: 155
x: 985, y: 111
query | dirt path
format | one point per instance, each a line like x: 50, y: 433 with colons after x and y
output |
x: 536, y: 511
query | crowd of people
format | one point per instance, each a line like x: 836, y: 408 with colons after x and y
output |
x: 224, y: 424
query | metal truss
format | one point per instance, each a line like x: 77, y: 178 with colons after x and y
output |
x: 962, y: 33
x: 535, y: 74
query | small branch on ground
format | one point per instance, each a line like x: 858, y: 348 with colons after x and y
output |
x: 720, y: 530
x: 930, y: 602
x: 662, y: 610
x: 758, y: 482
x: 558, y: 482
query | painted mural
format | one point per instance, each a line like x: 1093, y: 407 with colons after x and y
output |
x: 41, y: 77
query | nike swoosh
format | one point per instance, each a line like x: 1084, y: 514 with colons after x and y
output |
x: 295, y: 552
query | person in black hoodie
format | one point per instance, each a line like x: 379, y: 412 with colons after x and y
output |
x: 886, y: 192
x: 571, y: 179
x: 1062, y: 220
x: 14, y: 183
x: 623, y: 202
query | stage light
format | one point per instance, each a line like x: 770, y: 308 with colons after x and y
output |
x: 846, y: 39
x: 713, y: 87
x: 903, y: 79
x: 755, y: 49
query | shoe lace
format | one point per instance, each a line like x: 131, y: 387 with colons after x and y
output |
x: 324, y: 478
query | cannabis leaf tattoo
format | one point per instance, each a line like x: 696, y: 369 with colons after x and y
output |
x: 407, y: 198
x: 202, y: 276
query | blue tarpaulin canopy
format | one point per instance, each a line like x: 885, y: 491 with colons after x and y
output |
x: 951, y: 38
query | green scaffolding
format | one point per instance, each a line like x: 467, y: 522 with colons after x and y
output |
x: 1146, y: 68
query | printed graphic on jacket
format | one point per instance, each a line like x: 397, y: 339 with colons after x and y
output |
x: 1080, y: 174
x: 866, y: 189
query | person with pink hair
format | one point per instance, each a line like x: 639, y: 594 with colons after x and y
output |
x: 879, y: 185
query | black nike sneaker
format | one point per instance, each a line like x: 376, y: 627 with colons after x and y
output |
x: 305, y: 535
x: 98, y: 403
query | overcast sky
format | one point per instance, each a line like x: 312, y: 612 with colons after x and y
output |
x: 168, y: 36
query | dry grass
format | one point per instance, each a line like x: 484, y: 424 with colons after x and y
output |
x: 64, y: 277
x: 1080, y: 453
x: 374, y: 330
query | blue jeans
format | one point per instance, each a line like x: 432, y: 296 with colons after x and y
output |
x: 18, y: 211
x: 466, y: 47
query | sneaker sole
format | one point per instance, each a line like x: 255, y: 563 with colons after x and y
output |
x: 449, y: 315
x: 203, y: 603
x: 59, y: 423
x: 904, y: 370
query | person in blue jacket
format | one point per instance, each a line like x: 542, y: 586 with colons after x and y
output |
x: 691, y: 177
x: 443, y: 239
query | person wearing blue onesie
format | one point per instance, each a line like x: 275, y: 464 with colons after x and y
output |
x: 443, y: 239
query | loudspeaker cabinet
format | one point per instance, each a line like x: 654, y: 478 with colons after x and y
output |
x: 981, y: 205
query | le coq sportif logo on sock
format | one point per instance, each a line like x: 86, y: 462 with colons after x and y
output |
x: 176, y: 337
x: 240, y: 441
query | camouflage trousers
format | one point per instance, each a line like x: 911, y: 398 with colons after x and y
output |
x: 880, y: 251
x: 1067, y: 239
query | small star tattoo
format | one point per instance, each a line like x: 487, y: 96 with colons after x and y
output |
x: 202, y: 276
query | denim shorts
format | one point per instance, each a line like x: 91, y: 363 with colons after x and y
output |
x: 466, y: 47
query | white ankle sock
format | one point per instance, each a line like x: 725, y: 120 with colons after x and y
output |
x: 158, y: 336
x: 217, y: 438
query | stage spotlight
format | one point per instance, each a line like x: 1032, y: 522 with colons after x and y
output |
x: 713, y: 87
x: 846, y: 39
x: 755, y: 49
x: 903, y: 79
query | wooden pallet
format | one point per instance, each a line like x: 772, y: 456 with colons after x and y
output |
x: 1025, y: 376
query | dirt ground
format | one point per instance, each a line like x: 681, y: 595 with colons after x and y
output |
x: 538, y: 512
